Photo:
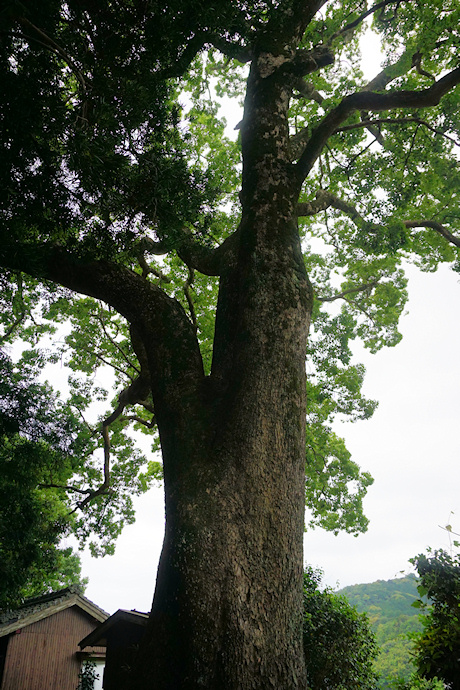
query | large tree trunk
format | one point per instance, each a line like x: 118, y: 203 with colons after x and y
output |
x: 227, y: 608
x: 228, y: 602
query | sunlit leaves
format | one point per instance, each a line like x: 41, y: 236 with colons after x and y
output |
x: 335, y: 485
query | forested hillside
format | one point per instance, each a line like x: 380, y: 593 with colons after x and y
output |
x: 389, y: 607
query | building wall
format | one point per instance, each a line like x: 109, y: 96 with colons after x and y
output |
x: 42, y: 656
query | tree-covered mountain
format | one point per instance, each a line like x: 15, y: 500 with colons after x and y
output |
x: 389, y: 607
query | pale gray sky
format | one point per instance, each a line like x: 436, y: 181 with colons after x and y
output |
x: 412, y: 444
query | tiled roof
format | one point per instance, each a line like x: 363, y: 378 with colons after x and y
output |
x: 121, y: 617
x: 33, y: 610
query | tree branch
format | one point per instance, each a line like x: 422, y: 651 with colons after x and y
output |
x: 135, y: 393
x: 230, y: 49
x: 359, y: 20
x: 188, y: 283
x: 174, y: 358
x: 396, y: 121
x: 340, y: 295
x: 369, y: 100
x: 135, y: 418
x: 114, y: 343
x: 325, y: 199
x: 65, y: 487
x: 207, y: 260
x: 51, y: 45
x: 321, y: 202
x: 437, y: 227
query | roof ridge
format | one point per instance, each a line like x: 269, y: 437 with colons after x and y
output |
x: 35, y: 605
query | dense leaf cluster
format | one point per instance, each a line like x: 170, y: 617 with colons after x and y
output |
x: 39, y: 448
x: 437, y: 648
x: 338, y: 643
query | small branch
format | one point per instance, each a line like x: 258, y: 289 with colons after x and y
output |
x: 9, y: 331
x: 437, y: 227
x: 322, y: 201
x: 188, y: 296
x: 396, y: 121
x: 417, y: 63
x: 139, y: 420
x: 88, y: 426
x: 350, y: 291
x: 115, y: 344
x: 147, y: 270
x: 136, y: 392
x: 354, y: 24
x: 307, y: 91
x: 409, y: 152
x: 231, y: 50
x: 51, y: 45
x: 65, y: 487
x: 105, y: 361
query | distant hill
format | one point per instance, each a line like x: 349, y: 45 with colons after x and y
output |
x: 388, y: 605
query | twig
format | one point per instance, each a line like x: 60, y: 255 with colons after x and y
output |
x: 396, y: 121
x: 100, y: 318
x: 350, y: 291
x: 191, y: 306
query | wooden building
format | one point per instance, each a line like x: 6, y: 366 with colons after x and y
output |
x: 39, y: 641
x: 120, y: 635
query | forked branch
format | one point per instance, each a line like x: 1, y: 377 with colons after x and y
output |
x: 371, y: 101
x: 366, y: 287
x: 325, y: 199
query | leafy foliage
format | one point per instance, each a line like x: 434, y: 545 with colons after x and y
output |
x: 437, y: 648
x: 87, y: 676
x: 37, y: 450
x: 389, y: 606
x: 416, y: 683
x: 338, y: 643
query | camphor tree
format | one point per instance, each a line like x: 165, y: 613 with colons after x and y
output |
x: 113, y: 154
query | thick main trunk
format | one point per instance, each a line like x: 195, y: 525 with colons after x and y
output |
x: 228, y: 603
x: 227, y: 608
